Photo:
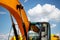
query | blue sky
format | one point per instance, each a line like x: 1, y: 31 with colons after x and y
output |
x: 29, y: 6
x: 5, y: 22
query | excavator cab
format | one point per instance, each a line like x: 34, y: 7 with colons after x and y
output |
x: 39, y: 31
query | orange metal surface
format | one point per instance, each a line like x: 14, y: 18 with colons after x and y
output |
x: 54, y: 37
x: 10, y: 5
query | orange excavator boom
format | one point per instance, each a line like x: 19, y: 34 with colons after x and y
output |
x: 19, y: 14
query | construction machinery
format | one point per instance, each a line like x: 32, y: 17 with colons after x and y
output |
x: 39, y: 31
x: 54, y: 37
x: 29, y: 30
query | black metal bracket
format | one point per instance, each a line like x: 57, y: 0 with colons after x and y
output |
x: 19, y: 6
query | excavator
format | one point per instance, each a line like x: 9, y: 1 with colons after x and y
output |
x: 55, y: 37
x: 29, y: 30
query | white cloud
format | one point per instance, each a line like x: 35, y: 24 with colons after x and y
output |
x: 58, y: 34
x: 2, y: 12
x: 25, y: 0
x: 10, y: 34
x: 3, y: 37
x: 43, y: 13
x: 53, y: 25
x: 14, y: 20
